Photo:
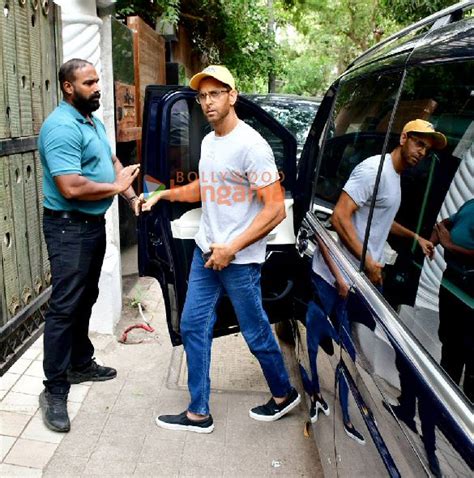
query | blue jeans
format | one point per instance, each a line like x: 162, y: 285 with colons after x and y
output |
x: 318, y: 327
x: 241, y: 282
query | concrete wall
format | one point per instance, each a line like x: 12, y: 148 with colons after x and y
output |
x: 87, y: 34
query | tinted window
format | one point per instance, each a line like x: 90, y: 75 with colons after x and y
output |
x: 435, y: 297
x: 186, y: 131
x: 356, y: 130
x: 295, y: 113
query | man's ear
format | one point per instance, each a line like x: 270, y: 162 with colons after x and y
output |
x: 68, y: 88
x: 233, y: 97
x: 403, y: 139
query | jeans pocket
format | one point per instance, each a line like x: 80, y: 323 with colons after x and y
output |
x: 71, y: 228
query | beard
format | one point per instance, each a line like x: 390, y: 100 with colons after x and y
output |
x: 86, y: 104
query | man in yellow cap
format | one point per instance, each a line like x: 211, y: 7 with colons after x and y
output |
x: 349, y: 218
x: 351, y: 212
x: 231, y: 244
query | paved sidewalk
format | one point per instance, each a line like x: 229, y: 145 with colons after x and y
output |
x: 113, y: 431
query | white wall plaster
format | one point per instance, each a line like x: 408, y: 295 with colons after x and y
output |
x: 89, y: 37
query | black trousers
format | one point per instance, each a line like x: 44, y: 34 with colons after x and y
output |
x: 76, y: 251
x: 456, y: 332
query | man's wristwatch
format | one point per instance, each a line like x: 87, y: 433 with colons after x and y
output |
x: 132, y: 200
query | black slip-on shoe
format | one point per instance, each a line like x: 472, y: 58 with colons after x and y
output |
x: 54, y: 411
x: 183, y: 423
x: 354, y: 434
x: 272, y: 411
x: 93, y: 373
x: 316, y: 405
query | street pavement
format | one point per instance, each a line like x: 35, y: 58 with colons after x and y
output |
x: 113, y: 432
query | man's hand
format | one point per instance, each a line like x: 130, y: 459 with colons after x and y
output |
x: 222, y: 255
x: 443, y: 235
x: 126, y: 176
x: 147, y: 204
x: 374, y: 271
x: 342, y: 288
x: 136, y: 204
x: 426, y: 246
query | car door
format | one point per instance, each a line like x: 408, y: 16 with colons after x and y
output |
x: 356, y: 128
x: 174, y: 127
x: 388, y: 384
x: 423, y: 375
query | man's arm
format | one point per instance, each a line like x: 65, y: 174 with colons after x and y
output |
x: 445, y: 240
x: 341, y: 285
x: 189, y: 193
x: 266, y: 220
x: 76, y: 186
x: 341, y: 220
x: 401, y: 231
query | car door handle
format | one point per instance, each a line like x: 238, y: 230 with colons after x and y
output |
x: 302, y: 241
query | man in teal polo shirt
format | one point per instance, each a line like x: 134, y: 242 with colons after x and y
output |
x: 80, y: 178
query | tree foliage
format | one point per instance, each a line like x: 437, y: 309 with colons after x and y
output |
x: 405, y: 12
x: 150, y: 10
x: 317, y: 39
x: 335, y: 32
x: 234, y: 33
x: 231, y: 32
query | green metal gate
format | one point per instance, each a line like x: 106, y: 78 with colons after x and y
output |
x: 29, y: 57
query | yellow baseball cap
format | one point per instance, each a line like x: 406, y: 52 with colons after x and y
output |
x: 426, y: 128
x: 219, y: 72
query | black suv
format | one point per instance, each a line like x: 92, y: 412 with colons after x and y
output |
x: 414, y: 415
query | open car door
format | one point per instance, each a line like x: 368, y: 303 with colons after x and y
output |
x: 173, y: 129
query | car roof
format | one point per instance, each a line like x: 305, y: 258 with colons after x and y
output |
x: 442, y: 35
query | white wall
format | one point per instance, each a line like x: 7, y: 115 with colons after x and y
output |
x: 89, y: 37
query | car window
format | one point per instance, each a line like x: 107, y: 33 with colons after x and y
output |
x: 296, y: 117
x: 295, y: 113
x: 187, y: 128
x: 434, y: 296
x: 356, y: 130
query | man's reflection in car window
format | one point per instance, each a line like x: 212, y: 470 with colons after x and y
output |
x: 434, y: 298
x: 456, y: 313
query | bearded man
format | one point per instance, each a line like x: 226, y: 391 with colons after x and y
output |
x: 80, y: 178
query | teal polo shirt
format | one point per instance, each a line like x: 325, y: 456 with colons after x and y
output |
x: 462, y: 230
x: 69, y: 144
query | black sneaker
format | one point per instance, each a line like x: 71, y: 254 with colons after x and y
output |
x: 272, y: 411
x: 354, y: 434
x: 316, y: 405
x: 54, y: 411
x: 182, y: 422
x: 93, y: 373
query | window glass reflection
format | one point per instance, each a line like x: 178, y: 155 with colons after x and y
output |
x: 434, y: 294
x: 356, y: 130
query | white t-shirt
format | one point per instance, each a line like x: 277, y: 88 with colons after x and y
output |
x: 359, y: 187
x: 231, y: 169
